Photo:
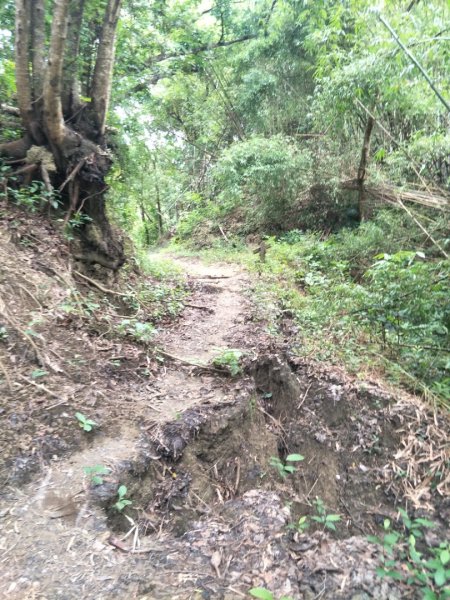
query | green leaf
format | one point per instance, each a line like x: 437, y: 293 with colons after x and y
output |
x: 295, y: 458
x: 439, y: 577
x: 122, y: 491
x: 425, y: 523
x: 391, y: 538
x: 289, y: 469
x: 333, y: 517
x: 415, y: 556
x: 444, y: 556
x: 261, y: 593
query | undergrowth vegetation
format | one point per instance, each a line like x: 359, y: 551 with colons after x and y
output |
x: 374, y: 298
x: 369, y: 297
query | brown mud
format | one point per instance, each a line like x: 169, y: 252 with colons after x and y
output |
x: 209, y: 516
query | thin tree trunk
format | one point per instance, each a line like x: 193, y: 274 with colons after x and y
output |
x: 101, y: 87
x: 158, y: 208
x: 71, y: 94
x: 38, y: 46
x: 53, y: 114
x: 158, y: 198
x: 145, y: 221
x: 22, y: 45
x: 414, y: 60
x: 363, y: 212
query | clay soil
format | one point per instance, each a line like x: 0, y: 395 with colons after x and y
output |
x: 209, y: 518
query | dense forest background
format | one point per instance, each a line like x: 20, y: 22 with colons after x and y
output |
x: 321, y: 126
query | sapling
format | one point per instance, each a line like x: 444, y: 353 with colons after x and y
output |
x: 85, y: 423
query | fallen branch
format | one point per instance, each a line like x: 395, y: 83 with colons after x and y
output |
x: 191, y: 363
x: 408, y: 212
x: 389, y: 193
x: 99, y: 285
x: 207, y: 308
x: 40, y: 387
x: 117, y: 543
x: 214, y: 277
x: 223, y: 233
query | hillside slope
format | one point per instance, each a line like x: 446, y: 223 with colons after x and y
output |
x: 202, y: 455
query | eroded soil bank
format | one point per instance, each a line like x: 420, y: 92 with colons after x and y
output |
x: 210, y: 513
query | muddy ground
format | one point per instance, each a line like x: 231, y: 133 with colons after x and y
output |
x: 210, y: 516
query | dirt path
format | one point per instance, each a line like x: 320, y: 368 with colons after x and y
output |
x: 53, y: 541
x: 195, y: 449
x: 204, y: 331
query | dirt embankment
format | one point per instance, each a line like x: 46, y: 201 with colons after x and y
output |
x: 202, y: 455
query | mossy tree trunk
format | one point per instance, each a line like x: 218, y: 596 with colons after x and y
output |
x: 55, y: 118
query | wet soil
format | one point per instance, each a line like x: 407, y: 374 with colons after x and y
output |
x: 209, y: 516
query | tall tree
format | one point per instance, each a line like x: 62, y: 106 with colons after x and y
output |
x: 64, y: 139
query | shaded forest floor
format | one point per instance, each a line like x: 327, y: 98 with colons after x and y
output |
x: 209, y: 514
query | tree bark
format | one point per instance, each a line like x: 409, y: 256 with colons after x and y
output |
x: 37, y: 29
x: 71, y: 88
x: 53, y: 115
x: 79, y: 159
x: 362, y: 203
x: 101, y: 87
x: 22, y: 45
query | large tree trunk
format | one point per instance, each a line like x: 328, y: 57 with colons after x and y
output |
x: 22, y: 61
x: 54, y: 119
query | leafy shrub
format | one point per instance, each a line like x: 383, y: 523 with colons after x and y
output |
x: 285, y: 468
x: 408, y: 304
x: 229, y: 360
x: 359, y: 294
x: 142, y: 332
x: 408, y: 557
x: 266, y: 175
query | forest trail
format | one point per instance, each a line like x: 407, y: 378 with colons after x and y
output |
x: 54, y: 537
x: 213, y: 315
x: 195, y: 448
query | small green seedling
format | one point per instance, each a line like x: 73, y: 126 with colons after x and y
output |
x: 328, y: 521
x: 285, y: 469
x: 264, y: 594
x: 122, y: 501
x: 95, y: 473
x: 84, y: 423
x: 302, y: 524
